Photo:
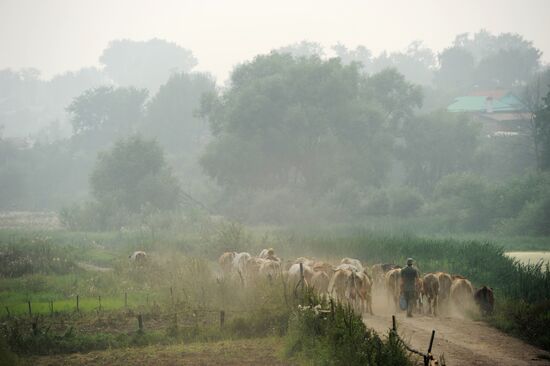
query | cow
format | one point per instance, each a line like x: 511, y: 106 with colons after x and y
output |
x: 294, y: 276
x: 462, y: 293
x: 325, y: 267
x: 338, y: 283
x: 353, y: 262
x: 138, y: 257
x: 270, y: 269
x: 320, y: 281
x: 268, y: 254
x: 431, y: 291
x: 393, y: 286
x: 485, y: 300
x: 358, y: 292
x: 445, y: 282
x: 226, y: 262
x: 379, y: 270
x: 240, y: 265
x: 306, y: 261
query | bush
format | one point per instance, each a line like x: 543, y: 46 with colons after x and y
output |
x: 339, y: 338
x: 525, y: 320
x: 7, y: 357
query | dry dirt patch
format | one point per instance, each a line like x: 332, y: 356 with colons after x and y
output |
x: 264, y: 351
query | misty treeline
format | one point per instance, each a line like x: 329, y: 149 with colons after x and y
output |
x: 299, y: 135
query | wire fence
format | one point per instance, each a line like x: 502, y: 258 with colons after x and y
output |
x: 427, y: 357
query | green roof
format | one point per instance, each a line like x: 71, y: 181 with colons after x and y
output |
x: 478, y: 104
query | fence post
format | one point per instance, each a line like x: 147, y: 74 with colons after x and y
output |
x: 77, y: 304
x: 99, y: 300
x: 140, y: 323
x: 431, y: 342
x: 394, y: 326
x: 30, y: 310
x: 222, y: 319
x: 332, y: 309
x: 125, y: 299
x: 302, y: 277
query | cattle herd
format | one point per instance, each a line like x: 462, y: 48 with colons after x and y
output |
x: 349, y: 281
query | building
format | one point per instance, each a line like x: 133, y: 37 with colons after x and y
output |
x: 500, y: 112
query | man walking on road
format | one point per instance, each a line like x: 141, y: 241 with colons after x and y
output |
x: 409, y: 276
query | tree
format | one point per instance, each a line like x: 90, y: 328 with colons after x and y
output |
x: 104, y: 113
x: 456, y: 69
x: 542, y: 135
x: 360, y: 55
x: 145, y: 64
x: 133, y: 176
x: 505, y: 60
x: 170, y: 115
x: 303, y: 49
x: 436, y: 145
x: 305, y: 123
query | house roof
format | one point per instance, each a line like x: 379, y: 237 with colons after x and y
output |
x: 498, y: 101
x: 478, y: 104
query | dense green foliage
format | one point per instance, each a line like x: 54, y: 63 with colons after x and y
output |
x: 338, y: 337
x: 130, y: 179
x: 542, y: 134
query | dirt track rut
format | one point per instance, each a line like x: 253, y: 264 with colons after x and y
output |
x: 462, y: 341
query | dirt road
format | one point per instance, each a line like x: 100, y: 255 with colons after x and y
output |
x: 462, y: 341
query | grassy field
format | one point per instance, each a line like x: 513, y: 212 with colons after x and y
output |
x: 57, y: 265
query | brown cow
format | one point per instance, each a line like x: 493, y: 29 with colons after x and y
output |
x: 393, y: 287
x: 431, y: 291
x: 325, y: 267
x: 320, y: 281
x: 462, y: 293
x: 358, y: 292
x: 379, y: 270
x: 270, y: 269
x: 353, y: 262
x: 337, y: 284
x: 445, y: 283
x: 485, y: 299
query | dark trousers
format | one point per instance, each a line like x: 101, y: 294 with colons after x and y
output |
x: 410, y: 297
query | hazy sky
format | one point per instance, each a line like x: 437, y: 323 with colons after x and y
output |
x: 59, y: 35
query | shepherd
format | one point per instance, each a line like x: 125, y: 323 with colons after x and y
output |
x: 409, y: 278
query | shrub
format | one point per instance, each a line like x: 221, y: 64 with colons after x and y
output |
x: 339, y: 338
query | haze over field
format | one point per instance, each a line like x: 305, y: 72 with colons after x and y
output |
x: 59, y: 35
x: 177, y: 173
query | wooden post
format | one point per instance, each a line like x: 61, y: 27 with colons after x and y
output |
x: 332, y: 309
x: 431, y: 342
x: 99, y: 300
x: 222, y: 319
x: 30, y: 310
x: 140, y: 323
x: 77, y: 304
x: 302, y: 277
x: 125, y: 299
x: 35, y: 327
x: 394, y: 326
